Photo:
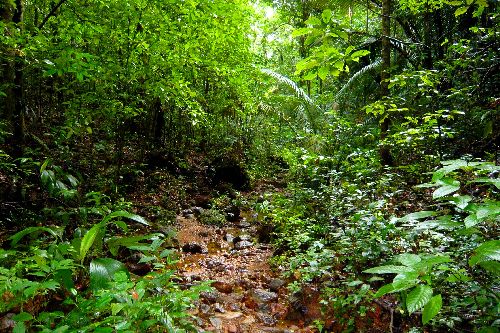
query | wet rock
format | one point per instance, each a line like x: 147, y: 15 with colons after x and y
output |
x: 229, y: 238
x: 266, y: 319
x: 223, y: 287
x: 205, y: 308
x: 232, y: 213
x: 194, y: 248
x: 276, y: 284
x: 219, y: 308
x: 198, y: 211
x: 242, y: 237
x: 242, y: 245
x: 262, y: 297
x: 187, y: 212
x: 216, y: 323
x: 210, y: 297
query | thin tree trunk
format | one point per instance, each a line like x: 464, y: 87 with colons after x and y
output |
x: 385, y: 154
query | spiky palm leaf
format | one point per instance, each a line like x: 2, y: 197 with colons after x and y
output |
x: 374, y: 66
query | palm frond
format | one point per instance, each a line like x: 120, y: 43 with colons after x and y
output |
x: 283, y: 79
x: 371, y: 67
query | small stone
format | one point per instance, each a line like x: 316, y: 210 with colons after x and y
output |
x: 263, y: 296
x: 228, y: 238
x: 219, y: 308
x: 198, y: 210
x: 266, y: 319
x: 276, y: 284
x: 216, y: 322
x: 243, y: 223
x: 210, y: 297
x: 204, y: 308
x: 187, y: 212
x: 242, y: 245
x: 223, y: 287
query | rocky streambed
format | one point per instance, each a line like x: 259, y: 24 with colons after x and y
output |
x: 248, y: 295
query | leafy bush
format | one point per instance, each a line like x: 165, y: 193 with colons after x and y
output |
x: 212, y: 217
x: 466, y: 218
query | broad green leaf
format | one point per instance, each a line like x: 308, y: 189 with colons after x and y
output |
x: 418, y: 297
x: 430, y: 260
x: 461, y: 201
x: 445, y: 190
x: 313, y: 20
x: 488, y: 209
x: 114, y: 243
x: 19, y: 328
x: 494, y: 181
x: 102, y: 271
x: 116, y: 308
x: 386, y: 289
x: 358, y: 54
x: 408, y: 259
x: 461, y: 10
x: 122, y: 213
x: 491, y: 266
x: 432, y: 308
x: 22, y: 316
x: 485, y: 252
x: 323, y: 72
x: 389, y: 269
x: 471, y: 220
x: 89, y: 239
x: 18, y: 236
x: 326, y: 15
x: 301, y: 32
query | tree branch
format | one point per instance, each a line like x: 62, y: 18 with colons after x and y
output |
x: 52, y: 13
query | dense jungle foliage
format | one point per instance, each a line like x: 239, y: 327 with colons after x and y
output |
x: 376, y: 121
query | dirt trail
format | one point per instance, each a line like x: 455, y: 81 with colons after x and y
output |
x: 249, y: 296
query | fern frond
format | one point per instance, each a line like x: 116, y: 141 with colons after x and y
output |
x: 371, y: 67
x: 283, y: 79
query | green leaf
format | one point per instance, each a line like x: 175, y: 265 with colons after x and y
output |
x: 301, y: 32
x: 122, y: 213
x: 471, y: 220
x: 495, y: 181
x: 116, y: 308
x: 19, y: 328
x: 408, y: 259
x: 323, y: 72
x: 102, y: 271
x: 485, y: 252
x: 89, y: 239
x: 418, y: 297
x: 22, y: 316
x: 386, y: 289
x: 461, y: 10
x: 20, y: 235
x: 389, y: 269
x: 461, y: 201
x: 445, y: 190
x: 327, y: 15
x: 313, y: 20
x: 488, y: 209
x: 432, y: 308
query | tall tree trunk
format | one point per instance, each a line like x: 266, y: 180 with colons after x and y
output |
x: 385, y: 153
x: 12, y: 76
